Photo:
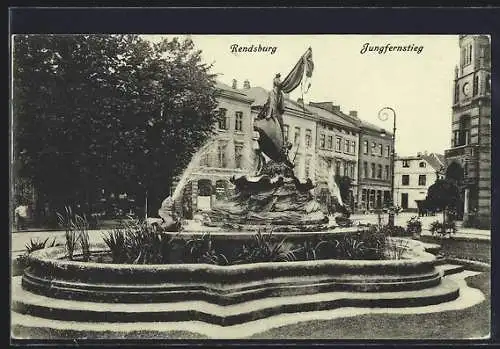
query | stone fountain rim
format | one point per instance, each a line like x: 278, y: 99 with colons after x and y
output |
x: 54, y: 256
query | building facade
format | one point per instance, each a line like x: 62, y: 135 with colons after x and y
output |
x: 230, y: 152
x: 337, y: 142
x: 374, y: 170
x: 413, y: 175
x: 469, y: 158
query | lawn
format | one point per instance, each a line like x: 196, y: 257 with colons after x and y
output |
x: 473, y: 322
x: 475, y: 250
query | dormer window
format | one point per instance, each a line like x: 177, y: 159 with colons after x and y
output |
x: 422, y: 164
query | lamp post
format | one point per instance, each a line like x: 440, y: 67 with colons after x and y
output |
x: 383, y: 115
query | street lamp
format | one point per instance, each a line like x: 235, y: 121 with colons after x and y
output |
x: 383, y: 115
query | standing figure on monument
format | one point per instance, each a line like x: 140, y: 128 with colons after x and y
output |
x: 269, y: 122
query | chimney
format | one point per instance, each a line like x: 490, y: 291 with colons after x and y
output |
x: 336, y: 108
x: 425, y: 153
x: 419, y: 154
x: 235, y: 84
x: 246, y: 84
x: 323, y: 105
x: 353, y: 113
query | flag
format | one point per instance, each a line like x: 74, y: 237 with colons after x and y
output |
x: 302, y: 70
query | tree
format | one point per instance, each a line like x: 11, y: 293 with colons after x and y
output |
x: 443, y: 195
x: 107, y: 111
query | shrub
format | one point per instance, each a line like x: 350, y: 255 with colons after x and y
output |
x: 395, y: 230
x: 436, y: 227
x: 414, y: 225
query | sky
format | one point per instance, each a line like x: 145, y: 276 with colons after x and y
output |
x: 418, y: 86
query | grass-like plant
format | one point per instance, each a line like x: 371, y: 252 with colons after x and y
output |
x: 76, y: 233
x: 265, y: 248
x: 137, y: 242
x: 202, y: 250
x: 395, y: 249
x: 37, y: 244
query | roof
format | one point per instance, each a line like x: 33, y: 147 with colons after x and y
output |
x: 436, y: 161
x: 232, y: 92
x: 331, y: 117
x: 373, y: 127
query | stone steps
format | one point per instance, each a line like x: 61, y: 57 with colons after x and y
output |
x: 27, y: 303
x: 449, y: 269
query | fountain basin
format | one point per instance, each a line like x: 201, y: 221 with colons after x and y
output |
x: 51, y: 275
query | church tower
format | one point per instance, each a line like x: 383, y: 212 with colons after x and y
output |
x: 469, y: 158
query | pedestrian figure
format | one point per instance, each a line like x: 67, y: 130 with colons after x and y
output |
x: 20, y: 216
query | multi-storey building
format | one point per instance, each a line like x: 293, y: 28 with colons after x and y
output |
x: 413, y: 175
x: 337, y: 141
x: 469, y: 158
x: 228, y: 153
x: 374, y: 180
x: 299, y: 129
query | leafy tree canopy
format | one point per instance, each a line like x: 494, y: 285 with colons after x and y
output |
x: 107, y: 111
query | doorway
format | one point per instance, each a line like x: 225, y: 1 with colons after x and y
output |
x: 404, y: 201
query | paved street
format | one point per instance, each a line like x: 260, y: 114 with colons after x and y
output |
x: 20, y: 239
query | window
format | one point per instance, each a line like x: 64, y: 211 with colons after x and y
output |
x: 387, y: 151
x: 475, y: 85
x: 238, y: 155
x: 488, y: 83
x: 221, y: 154
x: 466, y: 56
x: 374, y: 148
x: 330, y: 142
x: 380, y: 150
x: 365, y: 169
x: 457, y: 93
x: 365, y: 147
x: 338, y: 142
x: 405, y: 180
x: 322, y: 141
x: 222, y: 119
x: 405, y: 163
x: 296, y: 139
x: 204, y: 160
x: 387, y: 172
x: 421, y: 164
x: 421, y: 179
x: 352, y: 169
x: 379, y: 172
x: 308, y: 166
x: 285, y: 132
x: 372, y: 174
x: 462, y: 135
x: 353, y: 147
x: 308, y: 138
x: 346, y: 145
x: 238, y: 126
x: 337, y: 167
x: 346, y: 168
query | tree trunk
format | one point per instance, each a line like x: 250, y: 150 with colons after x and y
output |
x: 443, y: 229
